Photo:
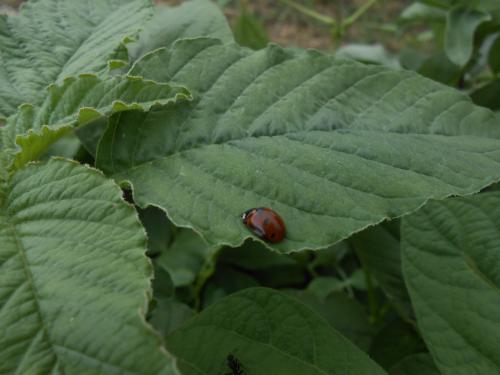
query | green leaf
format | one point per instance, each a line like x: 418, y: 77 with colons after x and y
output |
x: 380, y: 252
x: 185, y: 257
x: 269, y: 333
x: 368, y: 54
x: 344, y: 314
x: 53, y: 39
x: 249, y: 32
x: 494, y: 56
x: 396, y: 340
x: 68, y: 147
x: 461, y: 24
x: 321, y: 287
x: 169, y: 315
x: 411, y: 59
x: 439, y: 68
x: 160, y: 230
x: 332, y: 145
x: 487, y: 95
x: 163, y: 286
x: 226, y: 280
x: 422, y: 13
x: 451, y: 266
x: 79, y: 101
x: 416, y: 364
x: 330, y: 257
x: 74, y: 277
x: 191, y: 19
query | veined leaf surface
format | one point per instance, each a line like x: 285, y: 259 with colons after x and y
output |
x: 73, y: 277
x: 332, y: 145
x: 268, y: 333
x: 53, y: 39
x: 451, y: 263
x: 78, y: 101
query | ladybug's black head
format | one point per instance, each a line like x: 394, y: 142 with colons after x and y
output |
x: 245, y: 214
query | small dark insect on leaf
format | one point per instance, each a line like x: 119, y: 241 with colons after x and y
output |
x: 234, y: 365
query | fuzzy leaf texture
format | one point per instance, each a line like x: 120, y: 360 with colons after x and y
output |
x: 73, y: 277
x: 76, y: 102
x: 332, y: 145
x: 451, y: 264
x: 53, y: 39
x: 268, y: 333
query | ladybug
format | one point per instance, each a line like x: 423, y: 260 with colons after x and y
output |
x: 265, y: 223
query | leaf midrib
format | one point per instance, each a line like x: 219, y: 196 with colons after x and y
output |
x: 31, y: 283
x: 178, y: 153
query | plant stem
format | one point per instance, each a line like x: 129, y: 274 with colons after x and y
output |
x: 206, y: 272
x: 358, y: 13
x: 372, y: 299
x: 370, y: 291
x: 310, y: 12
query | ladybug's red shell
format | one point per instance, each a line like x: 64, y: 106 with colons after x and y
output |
x: 265, y: 223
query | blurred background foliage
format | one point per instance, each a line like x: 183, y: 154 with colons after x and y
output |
x: 451, y: 41
x: 456, y: 42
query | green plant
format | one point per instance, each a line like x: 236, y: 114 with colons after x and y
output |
x: 339, y: 26
x: 140, y: 263
x: 466, y: 33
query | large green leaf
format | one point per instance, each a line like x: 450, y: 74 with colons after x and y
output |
x: 416, y: 364
x: 344, y: 314
x: 332, y: 145
x: 161, y: 232
x: 269, y: 333
x: 395, y: 340
x: 451, y: 263
x: 79, y: 101
x: 462, y: 22
x: 193, y: 18
x: 73, y: 277
x: 53, y: 39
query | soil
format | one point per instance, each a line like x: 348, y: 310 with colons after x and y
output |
x: 288, y: 27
